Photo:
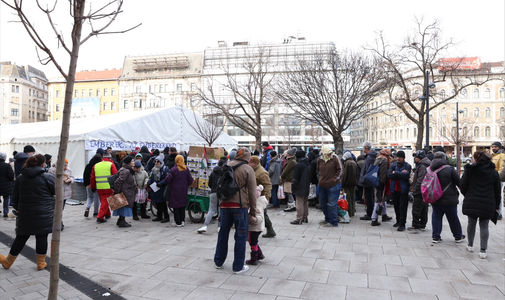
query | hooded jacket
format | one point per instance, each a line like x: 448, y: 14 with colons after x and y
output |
x: 125, y: 184
x: 170, y: 160
x: 141, y: 178
x: 274, y: 171
x: 313, y: 167
x: 421, y: 168
x: 447, y: 177
x: 146, y: 155
x: 383, y: 160
x: 481, y: 187
x: 6, y: 179
x: 33, y: 198
x: 263, y: 178
x: 19, y: 161
x: 86, y: 176
x: 244, y: 177
x: 330, y: 172
x: 289, y: 168
x: 395, y: 173
x: 213, y: 179
x: 259, y: 225
x: 350, y: 177
x: 301, y: 178
x: 369, y: 160
x: 265, y: 159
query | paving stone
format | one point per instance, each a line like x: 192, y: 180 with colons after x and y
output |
x: 288, y: 288
x: 367, y: 268
x: 436, y: 287
x: 404, y: 271
x: 358, y: 293
x: 389, y: 283
x: 309, y: 275
x: 348, y: 279
x: 244, y: 283
x: 314, y: 290
x: 278, y: 272
x: 175, y: 290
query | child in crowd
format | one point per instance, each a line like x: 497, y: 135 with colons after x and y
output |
x: 256, y: 227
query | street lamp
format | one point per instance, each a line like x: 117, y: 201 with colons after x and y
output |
x: 458, y: 163
x: 426, y: 97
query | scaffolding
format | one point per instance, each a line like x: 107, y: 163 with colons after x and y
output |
x: 160, y: 63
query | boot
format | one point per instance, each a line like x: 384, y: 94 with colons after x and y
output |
x: 260, y: 254
x: 386, y: 218
x: 143, y: 214
x: 135, y: 213
x: 122, y: 222
x: 41, y: 261
x: 375, y: 223
x: 7, y: 261
x: 254, y: 259
x: 270, y: 231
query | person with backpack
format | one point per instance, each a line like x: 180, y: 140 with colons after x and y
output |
x: 447, y: 204
x: 213, y: 180
x: 234, y: 210
x: 265, y: 159
x: 370, y: 156
x: 382, y: 191
x: 419, y: 208
x: 399, y: 173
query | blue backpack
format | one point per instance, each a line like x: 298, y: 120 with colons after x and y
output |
x: 372, y: 176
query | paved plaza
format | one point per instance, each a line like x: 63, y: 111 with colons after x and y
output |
x: 352, y: 261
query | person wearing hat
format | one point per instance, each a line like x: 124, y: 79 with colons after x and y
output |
x: 399, y: 173
x: 157, y: 176
x: 330, y: 172
x: 265, y: 159
x: 429, y: 154
x: 301, y: 187
x: 287, y: 177
x: 98, y: 182
x: 419, y: 208
x: 179, y: 180
x: 92, y: 196
x: 20, y: 158
x: 138, y: 157
x: 498, y: 158
x: 140, y: 181
x: 6, y: 180
x: 350, y: 181
x: 125, y: 184
x: 101, y: 151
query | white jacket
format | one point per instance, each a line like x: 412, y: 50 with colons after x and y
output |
x: 259, y: 225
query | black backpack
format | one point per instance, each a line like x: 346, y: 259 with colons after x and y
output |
x: 226, y: 185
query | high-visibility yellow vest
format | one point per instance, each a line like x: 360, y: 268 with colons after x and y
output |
x: 102, y: 171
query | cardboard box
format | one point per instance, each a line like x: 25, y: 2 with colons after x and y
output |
x: 195, y: 183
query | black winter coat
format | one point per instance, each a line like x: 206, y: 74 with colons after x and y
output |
x: 420, y: 172
x: 313, y: 171
x: 213, y: 178
x: 6, y: 179
x: 369, y: 160
x: 301, y: 178
x: 19, y: 162
x: 86, y: 176
x: 447, y: 177
x: 481, y: 187
x: 170, y: 161
x: 33, y: 198
x: 351, y: 176
x: 146, y: 155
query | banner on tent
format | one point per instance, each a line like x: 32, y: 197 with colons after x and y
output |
x: 126, y: 146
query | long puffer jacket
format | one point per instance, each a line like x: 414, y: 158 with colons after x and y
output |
x: 125, y: 184
x: 274, y: 170
x: 33, y: 198
x: 420, y: 172
x: 481, y: 187
x: 449, y: 179
x: 301, y: 178
x: 6, y: 179
x: 350, y: 177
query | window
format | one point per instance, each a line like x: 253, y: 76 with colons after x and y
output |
x: 453, y: 92
x: 125, y: 104
x: 502, y: 93
x: 113, y: 92
x: 415, y: 132
x: 443, y: 131
x: 76, y: 93
x: 465, y: 112
x: 166, y: 88
x: 98, y: 92
x: 193, y: 87
x: 113, y: 106
x: 14, y: 112
x: 136, y: 104
x: 401, y: 134
x: 83, y: 93
x: 29, y: 103
x: 90, y: 93
x: 476, y: 131
x: 29, y: 92
x: 38, y: 104
x: 476, y: 93
x: 138, y: 89
x: 179, y: 87
x: 487, y: 131
x: 161, y: 88
x: 57, y: 94
x: 105, y: 106
x: 408, y: 133
x: 464, y: 93
x: 193, y: 102
x: 38, y: 116
x: 105, y: 92
x: 453, y: 131
x: 151, y: 90
x: 476, y: 112
x: 57, y: 107
x: 442, y: 94
x: 44, y: 117
x: 488, y: 112
x: 502, y: 111
x: 487, y: 93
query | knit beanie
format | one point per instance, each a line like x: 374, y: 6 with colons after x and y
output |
x: 28, y: 149
x: 300, y: 154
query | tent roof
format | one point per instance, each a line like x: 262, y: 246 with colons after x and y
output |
x: 146, y: 126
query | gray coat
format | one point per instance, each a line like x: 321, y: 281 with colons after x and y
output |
x: 126, y: 184
x: 274, y: 171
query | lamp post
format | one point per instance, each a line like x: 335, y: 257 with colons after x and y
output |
x: 426, y: 97
x: 458, y: 159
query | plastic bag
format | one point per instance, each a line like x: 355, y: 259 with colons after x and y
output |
x: 312, y: 191
x: 280, y: 193
x: 345, y: 218
x: 140, y: 197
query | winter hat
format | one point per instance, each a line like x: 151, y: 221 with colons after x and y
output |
x: 346, y: 156
x: 400, y: 154
x: 100, y: 151
x: 439, y: 155
x: 156, y: 152
x: 266, y: 144
x: 420, y: 154
x: 48, y: 157
x: 316, y: 151
x: 493, y: 144
x: 300, y: 154
x: 29, y: 148
x: 3, y: 157
x: 138, y: 155
x: 232, y: 155
x: 254, y: 160
x: 243, y: 154
x: 66, y: 161
x: 439, y: 149
x: 138, y: 164
x: 256, y: 153
x: 105, y: 154
x: 292, y: 151
x: 127, y: 160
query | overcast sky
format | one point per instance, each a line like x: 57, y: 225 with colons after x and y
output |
x: 192, y: 26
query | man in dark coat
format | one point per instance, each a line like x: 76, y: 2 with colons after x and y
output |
x: 399, y: 173
x: 350, y: 181
x: 6, y: 180
x: 359, y: 190
x: 300, y: 187
x: 265, y: 159
x: 370, y: 156
x: 419, y: 208
x: 146, y: 155
x: 170, y: 158
x: 21, y: 158
x: 92, y: 195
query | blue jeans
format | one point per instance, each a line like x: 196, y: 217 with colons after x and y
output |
x: 240, y: 218
x: 451, y: 213
x: 328, y: 199
x: 275, y: 200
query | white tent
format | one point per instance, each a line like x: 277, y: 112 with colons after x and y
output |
x: 156, y: 128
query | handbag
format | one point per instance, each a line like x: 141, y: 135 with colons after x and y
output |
x: 372, y: 176
x: 166, y: 192
x: 140, y: 197
x: 280, y: 193
x: 117, y: 201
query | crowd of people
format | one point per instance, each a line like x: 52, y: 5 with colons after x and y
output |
x: 262, y: 181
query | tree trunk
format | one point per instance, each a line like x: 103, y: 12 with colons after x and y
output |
x: 420, y: 134
x: 62, y: 153
x: 257, y: 143
x: 338, y: 142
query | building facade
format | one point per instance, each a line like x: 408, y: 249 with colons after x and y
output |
x: 481, y: 117
x: 95, y: 93
x: 24, y: 94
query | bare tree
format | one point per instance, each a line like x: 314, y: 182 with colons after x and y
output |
x: 98, y: 20
x: 405, y: 65
x: 289, y: 126
x: 315, y: 133
x: 450, y: 134
x: 242, y: 92
x: 331, y: 89
x: 209, y: 127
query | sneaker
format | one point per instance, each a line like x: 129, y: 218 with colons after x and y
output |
x: 396, y: 225
x: 422, y: 228
x: 182, y: 224
x: 218, y: 229
x: 376, y: 223
x: 175, y: 225
x: 366, y: 218
x: 469, y: 248
x: 244, y: 269
x: 436, y: 241
x: 482, y: 255
x: 400, y: 228
x: 202, y: 229
x: 86, y: 213
x: 290, y: 209
x: 322, y: 223
x: 218, y: 267
x: 329, y: 225
x: 459, y: 240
